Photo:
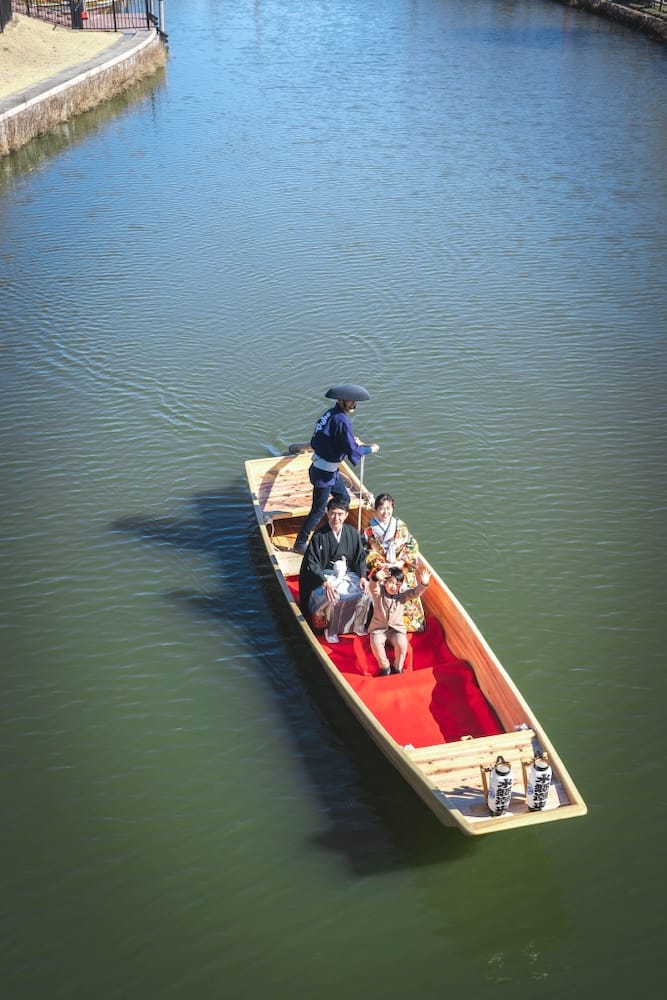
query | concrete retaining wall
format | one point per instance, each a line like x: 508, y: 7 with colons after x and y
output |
x: 41, y: 108
x: 648, y: 23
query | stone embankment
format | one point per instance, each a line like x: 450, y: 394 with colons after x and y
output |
x: 648, y: 18
x: 40, y: 108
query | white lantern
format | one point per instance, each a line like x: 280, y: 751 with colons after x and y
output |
x: 499, y: 787
x: 538, y: 783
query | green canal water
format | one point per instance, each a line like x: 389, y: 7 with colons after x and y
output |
x: 462, y: 207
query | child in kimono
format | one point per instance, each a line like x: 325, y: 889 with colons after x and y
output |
x: 387, y: 624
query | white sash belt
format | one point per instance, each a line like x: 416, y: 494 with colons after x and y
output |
x: 320, y: 463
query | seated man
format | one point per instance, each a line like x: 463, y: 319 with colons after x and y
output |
x: 335, y: 596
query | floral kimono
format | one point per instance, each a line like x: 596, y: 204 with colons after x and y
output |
x: 395, y: 545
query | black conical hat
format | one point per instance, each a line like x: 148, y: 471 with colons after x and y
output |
x: 348, y: 391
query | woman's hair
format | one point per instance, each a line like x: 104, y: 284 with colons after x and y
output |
x: 381, y: 499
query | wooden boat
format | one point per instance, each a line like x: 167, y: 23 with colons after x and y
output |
x: 454, y: 714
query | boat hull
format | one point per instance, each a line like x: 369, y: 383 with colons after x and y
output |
x: 446, y: 721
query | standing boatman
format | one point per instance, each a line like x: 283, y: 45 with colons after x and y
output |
x: 332, y: 442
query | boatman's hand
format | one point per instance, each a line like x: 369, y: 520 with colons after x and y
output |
x: 360, y: 444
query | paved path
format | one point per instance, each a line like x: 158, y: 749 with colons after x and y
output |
x: 127, y: 42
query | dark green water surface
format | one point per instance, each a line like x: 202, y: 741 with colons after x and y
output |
x: 461, y: 206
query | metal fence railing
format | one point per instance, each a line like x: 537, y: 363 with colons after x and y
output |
x: 647, y: 6
x: 97, y: 15
x: 5, y: 13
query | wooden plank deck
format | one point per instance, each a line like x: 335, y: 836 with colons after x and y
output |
x: 455, y: 768
x: 284, y: 489
x: 445, y: 757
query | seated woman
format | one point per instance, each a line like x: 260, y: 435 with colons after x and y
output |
x: 389, y: 543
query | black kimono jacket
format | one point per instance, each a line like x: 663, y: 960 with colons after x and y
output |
x: 320, y: 555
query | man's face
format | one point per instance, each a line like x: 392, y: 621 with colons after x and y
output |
x: 348, y: 406
x: 336, y: 518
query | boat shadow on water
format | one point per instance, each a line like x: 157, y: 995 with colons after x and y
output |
x: 375, y: 822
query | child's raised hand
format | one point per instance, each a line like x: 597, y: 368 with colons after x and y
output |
x: 424, y: 577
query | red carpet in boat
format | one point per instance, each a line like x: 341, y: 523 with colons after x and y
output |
x: 437, y: 698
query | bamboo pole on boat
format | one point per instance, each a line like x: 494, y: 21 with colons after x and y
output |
x: 361, y: 491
